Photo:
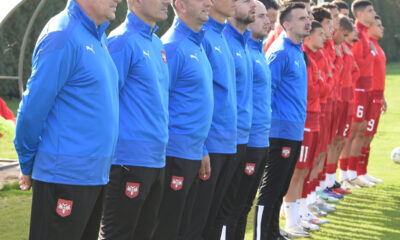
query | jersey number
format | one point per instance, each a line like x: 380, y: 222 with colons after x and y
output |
x: 303, y: 154
x: 360, y: 111
x: 371, y: 124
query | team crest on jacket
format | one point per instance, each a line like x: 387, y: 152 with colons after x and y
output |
x: 250, y: 168
x: 132, y: 189
x: 64, y: 207
x: 286, y: 152
x: 164, y: 57
x: 176, y: 183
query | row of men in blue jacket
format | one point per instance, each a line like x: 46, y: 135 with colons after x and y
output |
x: 132, y: 100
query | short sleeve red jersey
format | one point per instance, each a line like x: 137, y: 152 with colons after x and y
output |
x: 272, y: 36
x: 364, y: 57
x: 379, y: 68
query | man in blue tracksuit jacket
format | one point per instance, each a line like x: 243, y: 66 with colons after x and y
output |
x: 136, y: 180
x: 288, y: 103
x: 221, y: 141
x: 190, y: 113
x: 67, y: 125
x: 257, y: 148
x: 237, y: 36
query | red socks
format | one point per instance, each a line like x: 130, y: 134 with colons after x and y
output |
x: 353, y: 161
x: 343, y: 163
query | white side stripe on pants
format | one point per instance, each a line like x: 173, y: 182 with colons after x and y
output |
x: 259, y: 218
x: 223, y: 233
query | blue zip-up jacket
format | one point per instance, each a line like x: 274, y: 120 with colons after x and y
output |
x: 289, y: 90
x: 191, y: 94
x: 237, y: 43
x: 67, y: 124
x: 261, y: 122
x: 140, y: 59
x: 222, y: 135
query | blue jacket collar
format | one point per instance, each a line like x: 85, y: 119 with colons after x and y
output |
x: 196, y: 37
x: 135, y: 22
x: 77, y: 11
x: 254, y: 44
x: 242, y: 38
x: 288, y: 41
x: 215, y: 25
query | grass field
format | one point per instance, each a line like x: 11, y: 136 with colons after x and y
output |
x: 372, y: 213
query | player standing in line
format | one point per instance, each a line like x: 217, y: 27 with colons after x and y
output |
x: 133, y: 194
x: 309, y: 203
x: 67, y: 125
x: 257, y: 149
x: 295, y: 200
x: 221, y: 140
x: 288, y: 104
x: 378, y: 105
x: 345, y: 28
x: 364, y: 52
x: 324, y: 17
x: 190, y: 114
x: 236, y: 35
x: 333, y: 107
x: 342, y: 7
x: 351, y: 73
x: 277, y: 31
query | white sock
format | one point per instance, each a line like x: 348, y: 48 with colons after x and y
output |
x: 303, y: 207
x: 308, y: 199
x: 318, y: 189
x: 352, y: 174
x: 342, y: 175
x: 291, y: 213
x: 330, y: 180
x: 323, y: 184
x: 313, y: 197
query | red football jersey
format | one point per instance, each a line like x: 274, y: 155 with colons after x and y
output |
x: 364, y: 57
x: 272, y: 36
x: 379, y: 68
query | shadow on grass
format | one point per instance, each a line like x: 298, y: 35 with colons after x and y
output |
x: 366, y: 214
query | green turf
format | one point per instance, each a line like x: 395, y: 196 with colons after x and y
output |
x: 372, y: 213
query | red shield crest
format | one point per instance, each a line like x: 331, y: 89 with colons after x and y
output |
x: 64, y: 207
x: 250, y: 168
x: 164, y: 57
x: 132, y: 189
x: 286, y: 152
x: 176, y: 183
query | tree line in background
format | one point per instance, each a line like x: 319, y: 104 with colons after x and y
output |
x: 12, y: 32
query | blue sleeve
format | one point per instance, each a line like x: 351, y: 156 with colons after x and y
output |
x: 121, y: 54
x: 205, y: 151
x: 276, y: 62
x: 53, y: 62
x: 175, y: 64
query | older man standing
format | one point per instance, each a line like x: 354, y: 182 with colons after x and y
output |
x: 137, y: 175
x: 67, y: 125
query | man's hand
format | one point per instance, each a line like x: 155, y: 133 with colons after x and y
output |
x: 205, y: 169
x: 384, y: 106
x: 25, y: 182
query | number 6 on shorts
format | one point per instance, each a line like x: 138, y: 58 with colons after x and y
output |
x: 360, y: 111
